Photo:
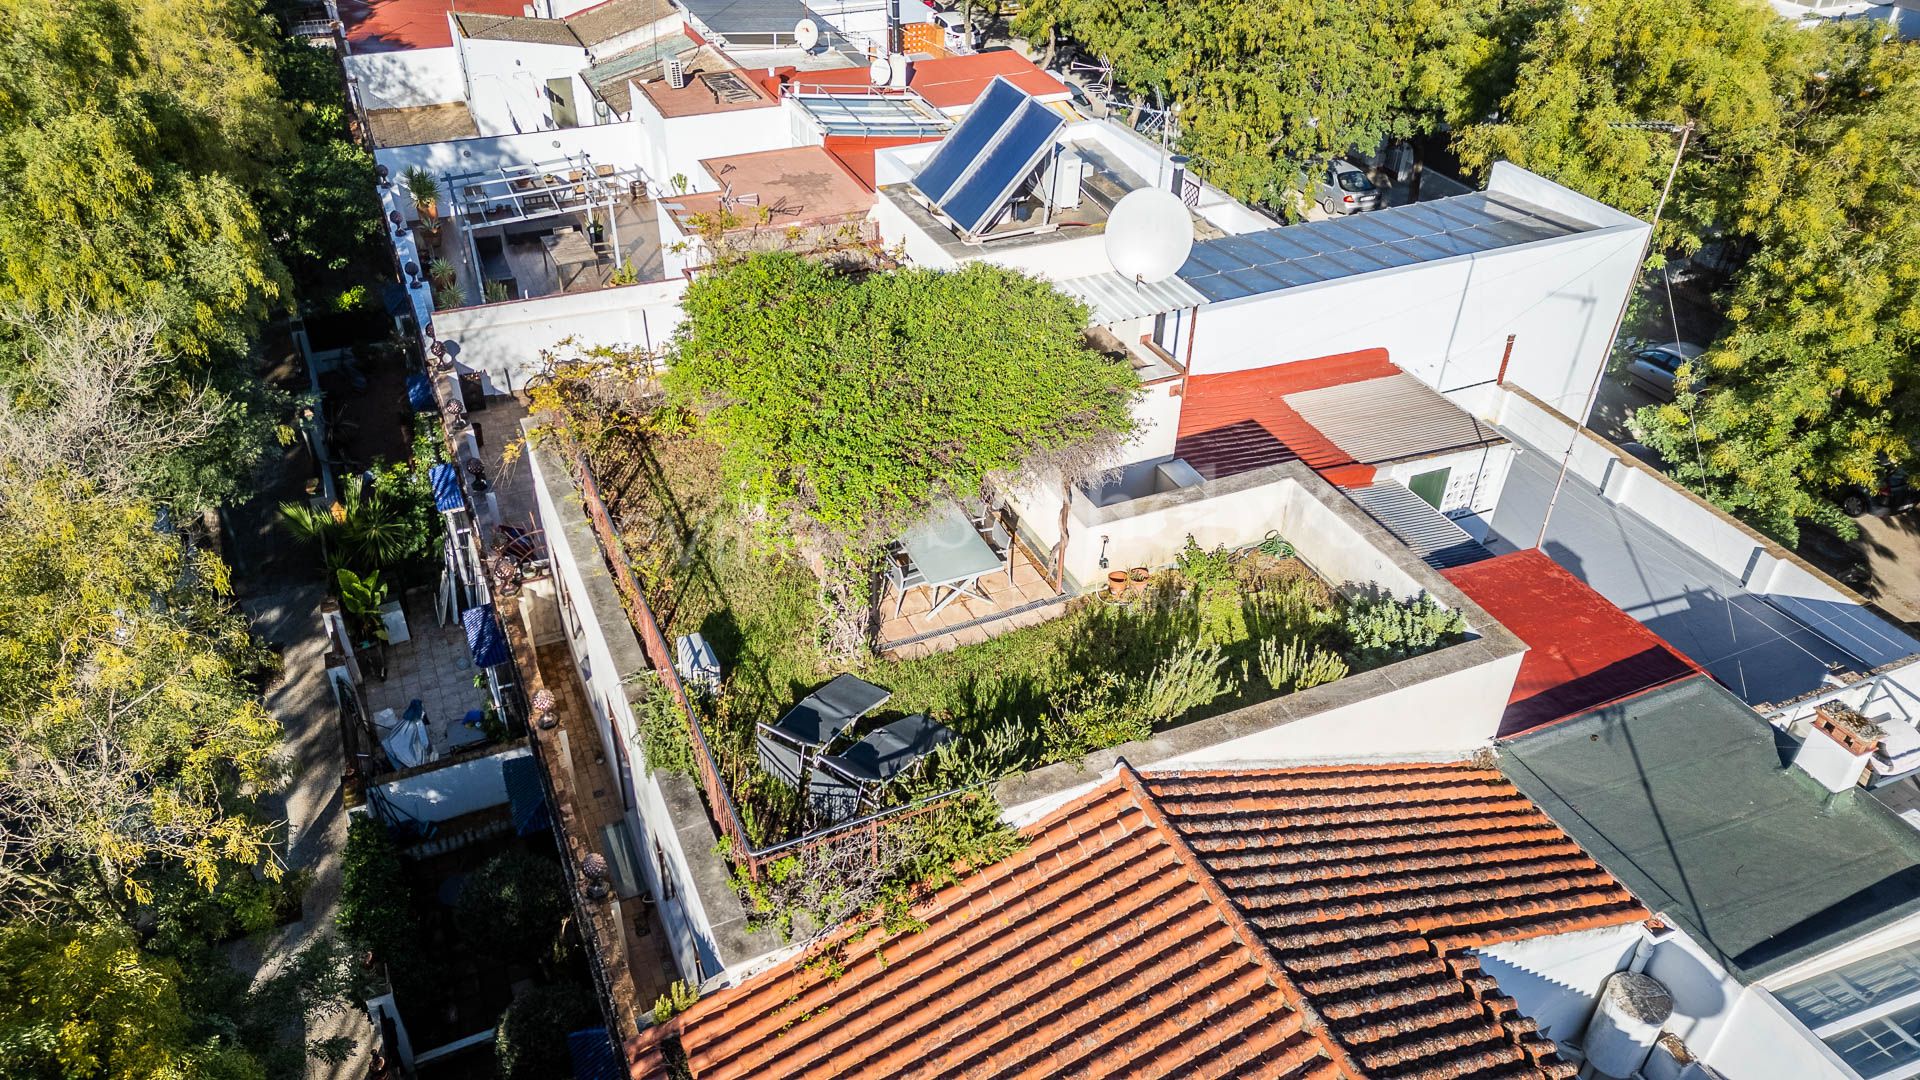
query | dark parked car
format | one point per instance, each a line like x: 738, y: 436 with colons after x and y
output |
x: 1894, y: 494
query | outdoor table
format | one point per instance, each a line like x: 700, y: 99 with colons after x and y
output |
x: 949, y: 552
x: 571, y: 251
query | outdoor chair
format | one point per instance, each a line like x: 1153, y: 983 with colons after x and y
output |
x: 994, y: 532
x: 816, y: 721
x: 843, y: 784
x: 903, y: 575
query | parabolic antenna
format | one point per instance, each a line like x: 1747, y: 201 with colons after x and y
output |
x: 1149, y: 235
x: 806, y: 34
x: 880, y: 73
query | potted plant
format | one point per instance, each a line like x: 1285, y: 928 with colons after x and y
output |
x: 1138, y: 577
x: 1117, y: 584
x: 442, y: 271
x: 363, y: 598
x: 424, y: 190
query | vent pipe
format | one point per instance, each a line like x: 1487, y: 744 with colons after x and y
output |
x: 1633, y: 1008
x: 1179, y: 188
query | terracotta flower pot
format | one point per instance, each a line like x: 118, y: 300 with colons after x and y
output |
x: 1117, y: 583
x: 1138, y: 577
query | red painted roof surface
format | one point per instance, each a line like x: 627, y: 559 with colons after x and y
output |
x: 949, y: 82
x: 1240, y: 421
x: 398, y: 25
x: 1304, y: 924
x: 856, y: 152
x: 1583, y: 652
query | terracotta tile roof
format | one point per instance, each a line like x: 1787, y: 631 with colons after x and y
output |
x: 1239, y: 421
x: 1582, y: 651
x: 1301, y: 924
x: 374, y: 26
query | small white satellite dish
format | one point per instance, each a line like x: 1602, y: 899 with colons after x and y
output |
x: 1149, y: 235
x: 880, y: 73
x: 806, y: 34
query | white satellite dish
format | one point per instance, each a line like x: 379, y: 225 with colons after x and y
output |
x: 806, y: 34
x: 880, y: 73
x: 1149, y: 235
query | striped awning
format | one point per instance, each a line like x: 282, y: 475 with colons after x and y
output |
x: 447, y: 496
x: 484, y: 637
x: 1116, y: 299
x: 1432, y: 535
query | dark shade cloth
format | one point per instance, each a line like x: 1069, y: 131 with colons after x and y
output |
x: 526, y: 797
x: 447, y: 496
x: 420, y: 394
x: 484, y: 637
x: 592, y: 1054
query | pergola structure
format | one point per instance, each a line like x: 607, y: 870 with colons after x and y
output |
x: 513, y: 194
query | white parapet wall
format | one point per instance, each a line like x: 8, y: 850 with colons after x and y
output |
x: 504, y: 341
x: 443, y: 791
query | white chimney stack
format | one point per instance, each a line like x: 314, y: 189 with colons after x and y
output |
x: 1838, y: 747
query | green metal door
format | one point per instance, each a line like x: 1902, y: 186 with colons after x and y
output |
x: 1431, y: 486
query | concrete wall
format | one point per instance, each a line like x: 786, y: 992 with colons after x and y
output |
x: 401, y: 80
x: 440, y: 792
x: 1447, y: 322
x: 1473, y: 488
x: 1557, y: 979
x: 675, y: 146
x: 674, y: 840
x: 503, y: 341
x: 1761, y: 565
x: 507, y: 84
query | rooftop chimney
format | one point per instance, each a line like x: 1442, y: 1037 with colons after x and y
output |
x: 1179, y: 162
x: 1838, y: 747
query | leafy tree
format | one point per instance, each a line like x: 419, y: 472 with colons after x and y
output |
x: 1593, y: 75
x: 133, y: 134
x: 83, y: 1001
x: 1268, y: 91
x: 1813, y: 388
x: 323, y: 215
x: 856, y: 401
x: 376, y: 906
x: 130, y: 738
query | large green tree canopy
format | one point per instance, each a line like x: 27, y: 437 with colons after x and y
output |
x: 858, y: 399
x: 133, y: 135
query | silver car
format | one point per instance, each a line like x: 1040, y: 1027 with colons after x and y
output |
x: 1652, y: 367
x: 1345, y: 189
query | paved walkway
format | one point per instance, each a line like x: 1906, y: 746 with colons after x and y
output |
x: 280, y: 590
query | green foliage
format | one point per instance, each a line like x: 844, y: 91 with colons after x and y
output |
x: 514, y: 904
x: 1204, y: 569
x: 134, y: 741
x: 449, y: 296
x: 1094, y: 710
x: 441, y: 270
x: 134, y: 135
x: 855, y: 402
x: 665, y: 743
x: 679, y: 998
x: 422, y: 188
x: 83, y: 1001
x: 1810, y: 391
x: 530, y: 1042
x: 1297, y: 665
x: 361, y: 596
x: 1193, y: 676
x: 322, y: 213
x: 376, y: 902
x: 1267, y: 90
x: 1381, y: 628
x: 387, y: 522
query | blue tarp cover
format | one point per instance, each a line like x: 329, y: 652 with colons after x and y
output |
x: 446, y: 488
x: 525, y: 797
x: 420, y: 394
x: 592, y: 1053
x: 484, y: 637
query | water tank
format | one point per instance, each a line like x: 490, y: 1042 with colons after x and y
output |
x: 1633, y: 1008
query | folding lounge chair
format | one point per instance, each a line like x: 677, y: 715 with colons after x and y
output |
x: 809, y: 726
x: 843, y: 783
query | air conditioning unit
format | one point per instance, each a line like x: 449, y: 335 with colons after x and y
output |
x: 676, y: 74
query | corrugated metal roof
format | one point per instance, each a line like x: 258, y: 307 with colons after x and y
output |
x: 527, y: 31
x: 1260, y: 262
x: 1116, y: 299
x: 1389, y: 419
x: 1431, y: 534
x: 874, y: 115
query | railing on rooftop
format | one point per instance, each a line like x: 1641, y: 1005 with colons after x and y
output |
x: 720, y: 801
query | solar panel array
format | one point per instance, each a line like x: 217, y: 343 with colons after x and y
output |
x: 981, y: 162
x: 1252, y: 263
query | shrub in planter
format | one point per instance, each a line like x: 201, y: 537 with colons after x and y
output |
x: 530, y: 1042
x: 376, y: 903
